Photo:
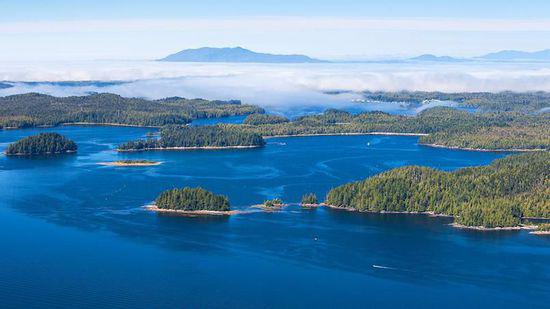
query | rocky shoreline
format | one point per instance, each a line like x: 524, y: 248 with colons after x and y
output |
x: 482, y: 149
x: 193, y: 213
x: 190, y: 148
x: 455, y: 225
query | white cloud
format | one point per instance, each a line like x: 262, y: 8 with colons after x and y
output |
x: 274, y: 86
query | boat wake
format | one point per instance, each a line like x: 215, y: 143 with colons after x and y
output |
x: 383, y: 267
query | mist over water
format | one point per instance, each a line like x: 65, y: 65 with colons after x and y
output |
x: 280, y: 88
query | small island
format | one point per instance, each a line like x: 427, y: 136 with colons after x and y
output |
x: 190, y: 138
x: 309, y: 200
x: 277, y: 202
x: 42, y: 144
x: 131, y: 163
x: 274, y: 204
x: 191, y: 201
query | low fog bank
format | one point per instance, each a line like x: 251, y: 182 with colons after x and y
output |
x: 276, y: 87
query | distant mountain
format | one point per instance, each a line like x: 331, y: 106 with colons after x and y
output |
x: 236, y: 54
x: 430, y: 57
x: 543, y: 55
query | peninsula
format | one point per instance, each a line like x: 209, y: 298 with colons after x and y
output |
x: 497, y: 196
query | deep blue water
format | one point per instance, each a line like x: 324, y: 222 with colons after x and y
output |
x: 213, y: 121
x: 74, y: 233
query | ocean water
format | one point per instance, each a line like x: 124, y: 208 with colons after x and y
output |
x: 74, y: 233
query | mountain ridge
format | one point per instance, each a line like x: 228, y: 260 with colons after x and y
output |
x: 518, y: 55
x: 431, y: 57
x: 235, y: 54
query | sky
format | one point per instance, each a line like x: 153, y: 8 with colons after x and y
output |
x: 54, y: 30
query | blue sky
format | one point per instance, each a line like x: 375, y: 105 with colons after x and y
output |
x: 151, y: 29
x: 64, y: 9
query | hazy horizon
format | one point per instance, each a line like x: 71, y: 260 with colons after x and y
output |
x: 106, y: 41
x: 37, y: 31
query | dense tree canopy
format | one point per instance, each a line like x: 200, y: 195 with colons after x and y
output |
x: 495, y: 195
x: 256, y: 119
x: 191, y: 199
x: 190, y: 136
x: 41, y: 144
x: 33, y: 109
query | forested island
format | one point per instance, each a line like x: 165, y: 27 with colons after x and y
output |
x: 309, y: 200
x: 41, y: 144
x: 274, y: 203
x: 494, y: 196
x: 33, y: 110
x: 189, y: 137
x: 191, y: 201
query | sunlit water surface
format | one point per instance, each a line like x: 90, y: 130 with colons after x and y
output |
x: 74, y: 233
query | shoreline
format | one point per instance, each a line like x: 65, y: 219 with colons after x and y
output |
x: 270, y: 209
x: 540, y: 233
x: 310, y: 205
x: 38, y: 154
x: 351, y: 209
x: 190, y: 148
x: 192, y: 213
x: 482, y: 149
x: 454, y: 224
x: 117, y: 163
x: 284, y: 136
x: 261, y: 207
x: 482, y: 228
x: 346, y: 134
x: 105, y: 124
